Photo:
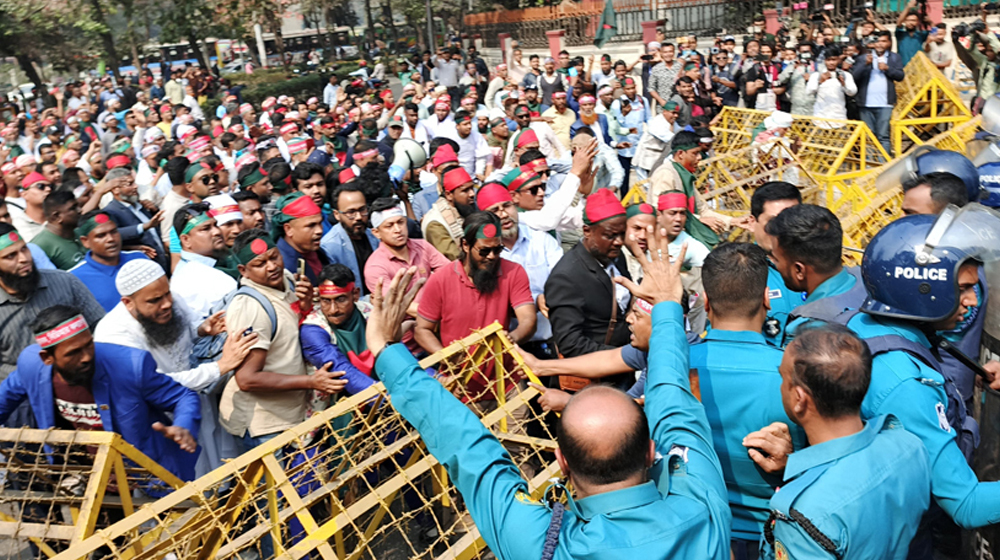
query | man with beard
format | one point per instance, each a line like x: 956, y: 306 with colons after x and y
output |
x: 596, y: 122
x: 62, y: 215
x: 149, y: 318
x: 415, y: 128
x: 586, y: 307
x: 473, y: 151
x: 138, y: 220
x: 350, y: 242
x: 251, y: 209
x: 228, y: 217
x: 298, y: 233
x: 442, y: 226
x: 335, y: 333
x: 196, y: 280
x: 98, y: 233
x: 475, y: 290
x: 73, y: 383
x: 440, y: 122
x: 536, y: 251
x: 562, y: 118
x: 25, y: 291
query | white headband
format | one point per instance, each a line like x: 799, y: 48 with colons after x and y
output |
x: 378, y: 218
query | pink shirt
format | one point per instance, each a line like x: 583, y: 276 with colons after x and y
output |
x: 383, y: 264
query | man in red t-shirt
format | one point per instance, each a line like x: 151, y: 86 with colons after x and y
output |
x: 473, y: 292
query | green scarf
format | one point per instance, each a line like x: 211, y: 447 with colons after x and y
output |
x: 228, y: 265
x: 694, y: 227
x: 351, y: 335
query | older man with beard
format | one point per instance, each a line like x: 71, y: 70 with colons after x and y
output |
x: 149, y: 318
x: 534, y: 250
x: 196, y: 281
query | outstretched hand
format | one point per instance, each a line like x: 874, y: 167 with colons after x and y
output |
x: 389, y: 310
x: 661, y: 278
x: 178, y: 435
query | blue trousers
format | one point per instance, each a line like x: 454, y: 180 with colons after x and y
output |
x: 877, y: 119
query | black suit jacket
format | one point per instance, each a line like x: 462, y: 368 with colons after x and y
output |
x: 128, y: 226
x: 580, y: 294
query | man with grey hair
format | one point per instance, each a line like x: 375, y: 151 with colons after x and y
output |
x: 149, y: 318
x: 137, y: 220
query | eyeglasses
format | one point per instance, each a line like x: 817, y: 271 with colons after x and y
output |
x: 209, y: 179
x: 485, y: 251
x: 356, y: 212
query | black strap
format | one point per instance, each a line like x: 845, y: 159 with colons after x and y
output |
x: 552, y: 533
x: 795, y: 516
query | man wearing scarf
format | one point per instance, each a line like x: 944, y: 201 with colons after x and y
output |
x: 442, y: 224
x: 335, y: 333
x: 298, y: 231
x: 677, y: 174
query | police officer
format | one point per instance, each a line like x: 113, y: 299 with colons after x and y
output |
x: 806, y: 252
x: 919, y: 283
x: 931, y: 193
x: 628, y: 504
x: 878, y: 472
x: 767, y: 202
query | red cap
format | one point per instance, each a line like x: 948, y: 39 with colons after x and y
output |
x: 492, y: 193
x: 120, y: 160
x: 671, y: 200
x: 346, y: 175
x: 444, y: 154
x: 601, y: 206
x: 32, y: 178
x: 302, y: 207
x: 456, y: 177
x: 527, y: 137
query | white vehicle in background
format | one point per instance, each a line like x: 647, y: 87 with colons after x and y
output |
x: 21, y: 93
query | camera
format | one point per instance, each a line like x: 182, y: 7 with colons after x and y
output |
x: 646, y: 57
x: 715, y: 50
x: 805, y: 57
x: 978, y: 26
x: 817, y: 16
x: 870, y: 40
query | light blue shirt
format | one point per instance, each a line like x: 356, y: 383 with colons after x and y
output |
x: 783, y: 301
x: 634, y: 119
x: 537, y: 252
x: 834, y: 286
x: 866, y: 492
x: 878, y: 84
x: 42, y: 261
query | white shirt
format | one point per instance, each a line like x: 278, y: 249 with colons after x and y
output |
x: 621, y: 292
x: 25, y: 226
x: 199, y: 284
x: 548, y: 143
x: 330, y: 95
x: 192, y: 104
x: 537, y: 253
x: 437, y: 127
x: 696, y: 251
x: 563, y: 210
x: 831, y: 96
x: 473, y: 151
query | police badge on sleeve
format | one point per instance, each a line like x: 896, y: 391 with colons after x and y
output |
x: 942, y: 417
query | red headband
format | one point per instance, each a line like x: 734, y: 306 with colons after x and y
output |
x: 559, y: 95
x: 527, y: 137
x: 214, y: 212
x: 333, y: 290
x: 303, y: 207
x: 120, y: 160
x: 63, y: 331
x: 671, y: 200
x: 346, y: 175
x: 456, y: 177
x: 491, y: 194
x: 366, y: 154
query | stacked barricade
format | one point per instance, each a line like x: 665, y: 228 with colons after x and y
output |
x: 927, y: 104
x: 352, y: 482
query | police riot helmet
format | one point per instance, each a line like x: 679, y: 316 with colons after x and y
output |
x: 910, y: 268
x: 927, y: 159
x: 989, y: 182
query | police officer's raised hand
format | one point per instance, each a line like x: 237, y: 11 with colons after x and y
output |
x: 178, y: 435
x: 389, y: 309
x: 770, y: 447
x: 661, y: 279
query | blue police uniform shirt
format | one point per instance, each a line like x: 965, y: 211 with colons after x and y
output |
x: 866, y: 492
x: 100, y: 278
x: 681, y: 512
x: 913, y: 392
x: 741, y: 391
x: 783, y: 301
x: 833, y: 286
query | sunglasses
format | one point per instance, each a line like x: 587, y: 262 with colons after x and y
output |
x: 209, y: 179
x: 532, y: 190
x: 42, y: 186
x: 485, y: 251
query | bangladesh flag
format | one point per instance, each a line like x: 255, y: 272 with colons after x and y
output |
x: 607, y: 28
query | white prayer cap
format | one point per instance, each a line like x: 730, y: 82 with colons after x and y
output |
x: 136, y: 275
x: 483, y: 113
x: 224, y: 209
x: 778, y: 119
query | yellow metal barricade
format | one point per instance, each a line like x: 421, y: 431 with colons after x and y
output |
x: 352, y: 482
x: 927, y: 104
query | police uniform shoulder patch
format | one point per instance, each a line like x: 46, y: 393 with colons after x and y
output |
x: 942, y: 417
x: 774, y: 294
x: 780, y: 553
x: 526, y: 499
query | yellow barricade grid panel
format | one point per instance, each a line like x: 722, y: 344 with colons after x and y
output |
x: 927, y: 104
x: 353, y: 482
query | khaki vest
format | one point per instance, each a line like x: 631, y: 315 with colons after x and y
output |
x: 444, y: 213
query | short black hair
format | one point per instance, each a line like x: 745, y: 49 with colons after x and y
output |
x: 685, y: 138
x: 945, y: 189
x: 530, y: 156
x: 834, y: 365
x: 411, y: 106
x: 586, y: 131
x: 383, y: 203
x: 277, y: 173
x: 884, y: 33
x: 439, y: 141
x: 335, y: 195
x: 240, y: 196
x: 55, y: 201
x: 734, y: 277
x: 227, y: 138
x: 50, y: 317
x: 462, y: 114
x: 832, y: 51
x: 88, y: 215
x: 175, y: 169
x: 809, y: 234
x: 771, y: 191
x: 304, y: 171
x: 337, y: 273
x: 6, y: 228
x: 247, y: 237
x: 369, y: 123
x: 184, y: 214
x: 628, y: 459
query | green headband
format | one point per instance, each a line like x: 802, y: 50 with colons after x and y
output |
x: 120, y: 146
x: 486, y: 231
x: 8, y: 239
x: 195, y: 222
x: 254, y: 249
x: 193, y: 170
x: 84, y: 228
x: 252, y: 179
x: 641, y: 208
x: 683, y: 148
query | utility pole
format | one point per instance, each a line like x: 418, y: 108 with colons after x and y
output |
x: 430, y: 29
